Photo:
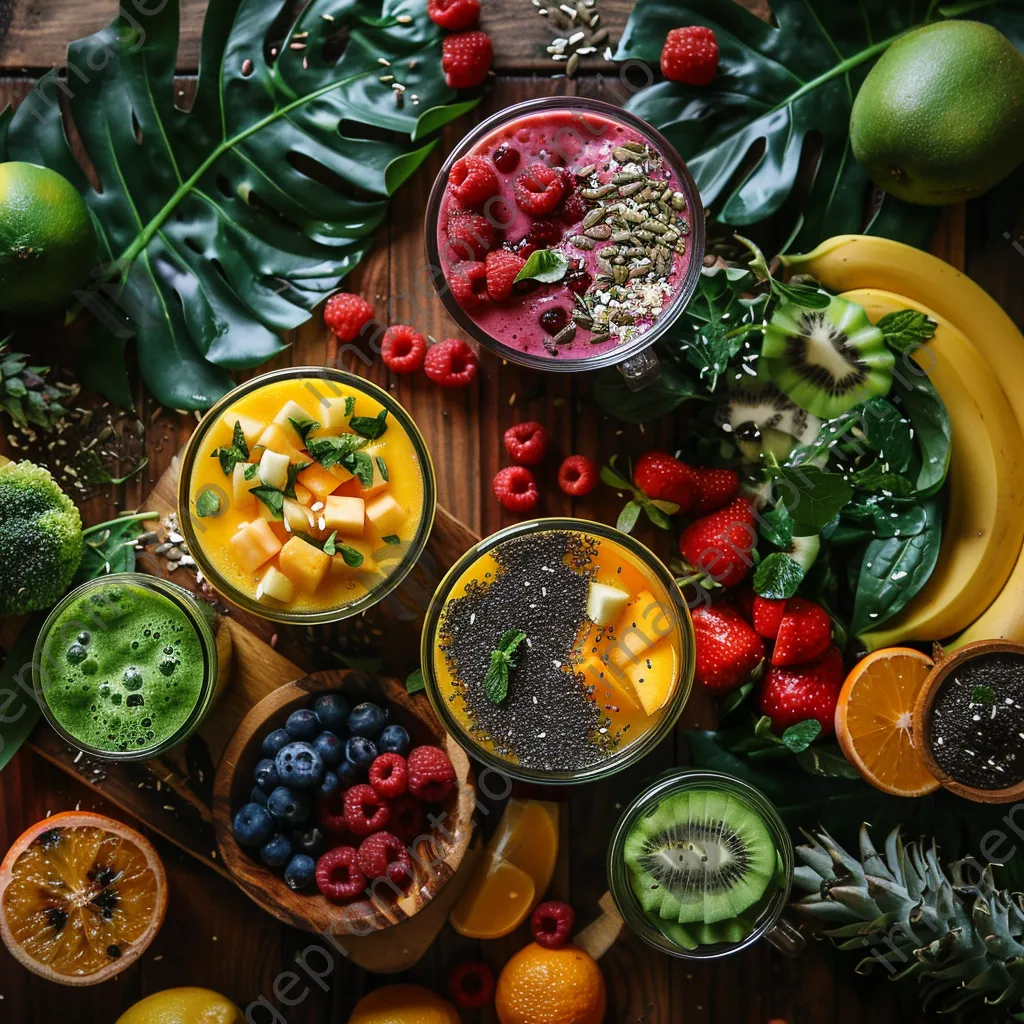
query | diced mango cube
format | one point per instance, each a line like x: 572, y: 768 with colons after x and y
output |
x: 242, y: 495
x: 276, y: 586
x: 292, y: 411
x: 297, y: 517
x: 652, y: 676
x: 304, y: 564
x: 380, y: 472
x: 274, y: 469
x: 346, y: 515
x: 277, y: 439
x: 604, y: 603
x: 386, y: 514
x: 253, y: 545
x: 303, y: 495
x: 339, y: 567
x: 318, y: 480
x: 641, y: 625
x: 332, y: 415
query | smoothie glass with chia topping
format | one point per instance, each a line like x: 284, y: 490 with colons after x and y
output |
x: 595, y: 213
x: 125, y: 666
x: 558, y: 651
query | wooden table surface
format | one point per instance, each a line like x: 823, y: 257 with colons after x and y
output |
x: 214, y: 936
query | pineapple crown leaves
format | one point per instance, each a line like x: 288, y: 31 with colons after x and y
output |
x: 953, y: 929
x: 25, y: 394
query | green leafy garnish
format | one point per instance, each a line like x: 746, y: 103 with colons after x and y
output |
x: 250, y: 471
x: 293, y: 474
x: 392, y: 538
x: 778, y: 576
x: 812, y: 497
x: 370, y: 427
x: 983, y: 695
x: 234, y: 453
x: 496, y: 679
x: 353, y: 558
x: 329, y: 545
x: 208, y: 503
x: 414, y: 681
x: 304, y: 427
x: 802, y: 295
x: 657, y: 512
x: 110, y: 547
x: 337, y: 451
x: 272, y: 498
x: 350, y: 405
x: 544, y: 265
x: 382, y: 466
x: 904, y: 330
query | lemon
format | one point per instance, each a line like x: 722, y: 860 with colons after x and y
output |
x: 403, y: 1004
x: 183, y: 1006
x: 47, y: 241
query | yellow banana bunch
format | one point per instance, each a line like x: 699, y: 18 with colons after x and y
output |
x: 849, y: 262
x: 985, y: 518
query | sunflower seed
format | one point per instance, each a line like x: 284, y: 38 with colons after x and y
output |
x: 608, y: 251
x: 599, y: 36
x: 623, y: 155
x: 654, y: 225
x: 671, y: 235
x: 640, y: 270
x: 626, y: 177
x: 597, y: 193
x: 585, y: 51
x: 636, y: 147
x: 572, y: 66
x: 594, y: 216
x: 599, y: 231
x: 635, y: 251
x: 581, y: 242
x: 586, y: 172
x: 634, y: 216
x: 624, y: 235
x: 599, y: 338
x: 666, y: 195
x: 679, y: 201
x: 643, y: 236
x: 620, y: 274
x: 565, y: 335
x: 628, y: 190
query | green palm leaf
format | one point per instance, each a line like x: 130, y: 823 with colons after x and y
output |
x: 224, y: 225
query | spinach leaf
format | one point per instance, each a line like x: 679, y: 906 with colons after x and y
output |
x: 777, y: 527
x: 877, y: 480
x: 370, y: 427
x: 915, y: 394
x: 414, y: 682
x: 893, y: 570
x: 110, y: 547
x: 20, y: 711
x: 812, y: 496
x: 778, y: 576
x: 888, y: 432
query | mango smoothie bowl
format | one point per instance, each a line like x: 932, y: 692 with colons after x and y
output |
x: 306, y: 495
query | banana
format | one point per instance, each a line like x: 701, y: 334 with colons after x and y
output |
x: 861, y: 261
x: 985, y: 519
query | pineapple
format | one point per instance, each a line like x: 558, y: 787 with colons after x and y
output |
x: 960, y: 936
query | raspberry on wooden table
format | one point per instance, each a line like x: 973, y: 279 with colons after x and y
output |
x: 526, y: 443
x: 578, y: 475
x: 466, y: 59
x: 551, y: 924
x: 516, y: 488
x: 403, y: 349
x: 471, y: 984
x: 431, y: 773
x: 454, y: 15
x: 451, y: 363
x: 346, y: 315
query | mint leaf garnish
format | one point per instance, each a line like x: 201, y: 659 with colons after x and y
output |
x: 544, y: 265
x: 208, y: 504
x: 414, y: 682
x: 272, y: 498
x: 338, y: 451
x: 234, y: 453
x: 329, y: 546
x: 353, y: 558
x: 370, y: 427
x: 250, y: 471
x: 496, y: 679
x: 392, y: 538
x: 905, y: 329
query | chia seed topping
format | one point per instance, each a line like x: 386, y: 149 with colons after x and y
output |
x: 549, y: 720
x: 978, y: 722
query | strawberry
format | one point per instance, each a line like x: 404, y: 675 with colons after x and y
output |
x: 715, y: 488
x: 742, y: 599
x: 502, y: 267
x: 794, y: 694
x: 662, y: 477
x: 690, y: 55
x: 466, y: 59
x: 728, y: 650
x: 767, y: 615
x: 719, y: 544
x: 805, y: 632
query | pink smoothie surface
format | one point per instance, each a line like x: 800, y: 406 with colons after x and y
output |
x: 574, y: 140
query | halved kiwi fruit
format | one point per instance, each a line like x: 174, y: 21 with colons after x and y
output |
x: 761, y: 420
x: 701, y: 857
x: 826, y: 360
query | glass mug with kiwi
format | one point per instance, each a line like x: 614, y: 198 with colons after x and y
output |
x: 700, y: 866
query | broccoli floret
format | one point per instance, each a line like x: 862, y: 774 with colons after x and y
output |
x: 41, y: 541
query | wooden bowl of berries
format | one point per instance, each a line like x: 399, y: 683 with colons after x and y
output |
x: 342, y: 804
x: 969, y: 716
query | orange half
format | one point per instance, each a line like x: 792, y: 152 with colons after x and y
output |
x: 874, y: 721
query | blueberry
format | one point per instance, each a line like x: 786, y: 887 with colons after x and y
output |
x: 332, y: 710
x: 275, y: 741
x: 253, y: 825
x: 287, y: 805
x: 330, y: 749
x: 367, y: 720
x: 276, y: 851
x: 299, y: 765
x: 310, y: 840
x: 394, y: 740
x: 300, y: 871
x: 258, y: 796
x: 328, y: 784
x: 348, y: 774
x: 266, y: 774
x: 360, y: 751
x: 302, y: 725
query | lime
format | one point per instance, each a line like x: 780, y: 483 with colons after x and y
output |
x: 47, y: 241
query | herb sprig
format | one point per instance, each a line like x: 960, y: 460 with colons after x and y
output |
x: 496, y: 679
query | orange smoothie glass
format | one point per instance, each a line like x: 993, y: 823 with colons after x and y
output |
x: 558, y: 651
x: 306, y: 495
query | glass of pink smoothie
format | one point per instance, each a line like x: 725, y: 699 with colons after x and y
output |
x: 566, y: 234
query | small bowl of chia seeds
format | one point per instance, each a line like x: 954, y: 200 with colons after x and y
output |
x: 970, y: 717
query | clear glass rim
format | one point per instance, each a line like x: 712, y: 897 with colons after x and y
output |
x: 617, y: 762
x: 683, y: 293
x: 673, y: 781
x: 189, y: 606
x: 373, y: 597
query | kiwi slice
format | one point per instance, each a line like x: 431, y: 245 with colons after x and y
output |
x: 705, y: 858
x: 826, y: 360
x: 761, y: 420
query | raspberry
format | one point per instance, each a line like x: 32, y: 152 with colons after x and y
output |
x: 544, y: 234
x: 466, y: 59
x: 383, y: 855
x: 502, y: 267
x: 338, y: 876
x: 471, y: 984
x: 407, y: 819
x: 506, y: 158
x: 472, y: 180
x: 578, y: 475
x: 551, y: 924
x: 690, y: 55
x: 574, y: 209
x: 454, y: 15
x: 403, y: 349
x: 468, y: 282
x: 431, y: 773
x: 471, y: 236
x: 346, y: 315
x: 451, y: 363
x: 365, y: 811
x: 526, y: 443
x: 516, y: 488
x: 538, y: 190
x: 330, y: 813
x: 388, y: 775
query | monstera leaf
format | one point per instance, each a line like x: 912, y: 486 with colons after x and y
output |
x: 787, y: 87
x: 224, y: 225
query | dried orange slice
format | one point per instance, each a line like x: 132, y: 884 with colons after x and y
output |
x: 874, y: 720
x: 81, y: 897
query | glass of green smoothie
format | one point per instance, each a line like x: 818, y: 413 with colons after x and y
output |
x: 125, y: 667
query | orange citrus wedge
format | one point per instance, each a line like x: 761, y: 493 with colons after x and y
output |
x: 81, y: 897
x: 514, y: 872
x: 874, y: 720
